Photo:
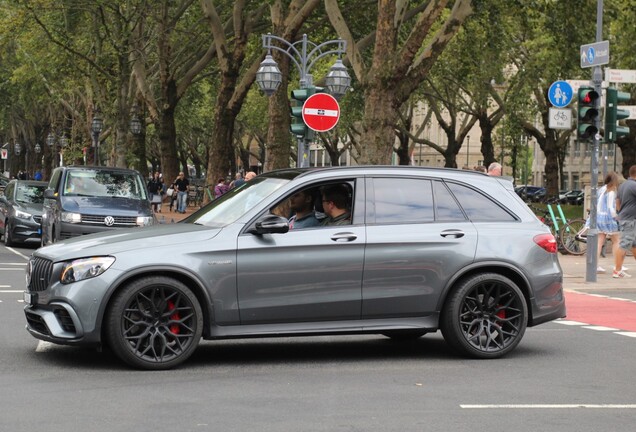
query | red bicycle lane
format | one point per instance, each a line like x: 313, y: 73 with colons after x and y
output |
x: 601, y: 311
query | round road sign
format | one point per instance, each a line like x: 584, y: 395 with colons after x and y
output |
x: 321, y: 112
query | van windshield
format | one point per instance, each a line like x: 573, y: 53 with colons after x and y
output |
x: 104, y: 183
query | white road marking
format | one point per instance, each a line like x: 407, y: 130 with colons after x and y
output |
x: 5, y: 286
x: 12, y: 269
x: 628, y: 334
x: 11, y: 291
x: 44, y: 346
x: 601, y: 328
x: 15, y: 264
x: 551, y: 406
x: 570, y: 323
x: 18, y: 253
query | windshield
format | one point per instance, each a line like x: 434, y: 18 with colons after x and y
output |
x: 30, y: 194
x: 235, y: 203
x: 104, y: 183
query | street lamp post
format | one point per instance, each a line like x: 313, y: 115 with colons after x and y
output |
x: 467, y: 151
x: 96, y: 127
x: 304, y: 55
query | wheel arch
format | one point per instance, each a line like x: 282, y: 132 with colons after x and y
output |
x: 183, y: 276
x: 503, y: 269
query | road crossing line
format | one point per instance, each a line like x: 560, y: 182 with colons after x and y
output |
x: 550, y: 406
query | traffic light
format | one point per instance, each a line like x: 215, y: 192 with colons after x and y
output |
x: 299, y: 96
x: 613, y: 114
x: 588, y: 113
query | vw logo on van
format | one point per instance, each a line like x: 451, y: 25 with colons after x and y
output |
x: 109, y: 221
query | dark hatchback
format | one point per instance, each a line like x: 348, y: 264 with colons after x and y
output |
x: 21, y: 211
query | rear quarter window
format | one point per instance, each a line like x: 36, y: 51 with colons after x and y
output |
x: 477, y: 206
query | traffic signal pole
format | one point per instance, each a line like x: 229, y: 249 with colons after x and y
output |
x: 592, y: 236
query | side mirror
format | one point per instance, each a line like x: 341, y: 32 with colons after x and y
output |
x: 49, y: 194
x: 271, y: 224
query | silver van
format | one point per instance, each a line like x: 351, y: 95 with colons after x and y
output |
x: 83, y: 200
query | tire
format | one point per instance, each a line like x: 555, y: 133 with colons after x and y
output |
x: 154, y: 323
x: 404, y: 335
x: 485, y: 316
x: 570, y: 239
x: 8, y: 239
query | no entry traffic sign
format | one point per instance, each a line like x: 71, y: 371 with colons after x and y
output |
x: 321, y: 112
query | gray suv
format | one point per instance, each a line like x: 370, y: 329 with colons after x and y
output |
x: 423, y: 249
x: 83, y: 200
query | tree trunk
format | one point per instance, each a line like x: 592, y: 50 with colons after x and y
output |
x: 378, y: 135
x: 168, y: 133
x: 278, y: 135
x: 487, y: 147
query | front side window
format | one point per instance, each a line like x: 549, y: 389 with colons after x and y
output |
x: 399, y: 200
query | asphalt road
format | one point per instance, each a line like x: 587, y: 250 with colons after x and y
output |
x: 562, y: 377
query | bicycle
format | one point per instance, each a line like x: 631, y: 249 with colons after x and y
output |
x: 569, y: 234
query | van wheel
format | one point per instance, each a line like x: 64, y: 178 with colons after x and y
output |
x: 485, y: 316
x: 154, y: 323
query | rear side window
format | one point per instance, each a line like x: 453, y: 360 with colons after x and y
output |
x: 478, y: 207
x: 399, y: 200
x: 446, y: 207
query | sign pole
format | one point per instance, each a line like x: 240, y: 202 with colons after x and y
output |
x: 592, y: 237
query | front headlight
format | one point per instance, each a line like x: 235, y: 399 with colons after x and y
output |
x: 21, y: 215
x: 71, y: 217
x: 145, y: 220
x: 85, y: 268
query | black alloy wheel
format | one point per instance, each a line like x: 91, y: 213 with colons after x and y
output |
x: 485, y: 317
x: 154, y: 323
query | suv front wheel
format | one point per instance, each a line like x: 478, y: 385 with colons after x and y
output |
x: 154, y: 323
x: 485, y: 316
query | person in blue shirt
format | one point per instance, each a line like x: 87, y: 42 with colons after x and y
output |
x: 302, y: 204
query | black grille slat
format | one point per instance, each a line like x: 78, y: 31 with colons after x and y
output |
x: 40, y: 274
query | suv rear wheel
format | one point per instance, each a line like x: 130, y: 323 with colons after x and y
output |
x: 154, y: 323
x: 485, y: 316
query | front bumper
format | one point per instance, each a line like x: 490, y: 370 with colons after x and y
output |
x: 25, y: 231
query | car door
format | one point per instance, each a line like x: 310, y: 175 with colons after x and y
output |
x: 417, y: 239
x: 305, y: 275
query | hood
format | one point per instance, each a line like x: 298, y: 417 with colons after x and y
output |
x: 111, y: 206
x: 127, y: 239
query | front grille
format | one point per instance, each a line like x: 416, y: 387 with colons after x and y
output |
x: 120, y: 221
x: 41, y: 271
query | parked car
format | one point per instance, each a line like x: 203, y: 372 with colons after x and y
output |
x: 21, y: 211
x: 83, y: 200
x: 422, y: 249
x: 4, y: 181
x: 531, y: 193
x: 574, y: 197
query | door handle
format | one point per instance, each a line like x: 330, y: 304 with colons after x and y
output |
x: 453, y: 232
x: 344, y: 237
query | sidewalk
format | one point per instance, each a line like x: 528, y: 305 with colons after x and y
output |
x: 574, y: 270
x: 166, y: 216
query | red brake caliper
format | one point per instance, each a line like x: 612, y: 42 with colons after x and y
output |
x: 174, y: 328
x: 502, y: 314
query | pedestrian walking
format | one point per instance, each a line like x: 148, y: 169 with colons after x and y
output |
x: 181, y: 184
x: 626, y: 206
x: 606, y: 216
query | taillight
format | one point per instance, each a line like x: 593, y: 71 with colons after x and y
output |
x: 547, y: 242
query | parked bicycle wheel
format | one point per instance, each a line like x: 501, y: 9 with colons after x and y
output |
x: 573, y: 237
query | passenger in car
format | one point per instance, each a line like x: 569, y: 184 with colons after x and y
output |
x: 302, y: 204
x: 335, y: 202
